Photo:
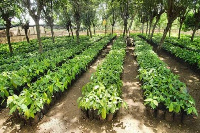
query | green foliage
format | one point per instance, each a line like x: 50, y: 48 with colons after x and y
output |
x: 34, y: 67
x: 9, y: 8
x: 103, y: 91
x: 160, y: 85
x: 41, y: 92
x: 182, y: 48
x: 190, y: 22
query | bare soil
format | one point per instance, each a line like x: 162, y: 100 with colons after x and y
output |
x: 65, y: 116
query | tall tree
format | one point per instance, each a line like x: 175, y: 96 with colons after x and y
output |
x: 35, y: 8
x: 143, y: 19
x: 88, y: 17
x: 113, y: 12
x: 48, y: 15
x: 77, y: 10
x: 64, y: 11
x: 124, y: 9
x: 24, y: 22
x: 181, y: 19
x: 8, y: 9
x: 25, y: 26
x: 192, y: 22
x: 134, y: 6
x: 173, y: 9
x: 158, y: 11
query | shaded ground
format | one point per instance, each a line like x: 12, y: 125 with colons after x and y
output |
x: 65, y: 116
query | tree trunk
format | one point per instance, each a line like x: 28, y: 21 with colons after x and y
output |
x: 125, y: 27
x: 112, y: 29
x: 52, y: 33
x: 45, y: 32
x: 90, y: 31
x: 169, y: 31
x: 68, y: 33
x: 38, y: 36
x: 150, y: 25
x: 131, y: 23
x: 169, y: 24
x: 142, y: 28
x: 94, y: 29
x: 179, y: 31
x: 154, y: 27
x: 105, y: 29
x: 8, y: 37
x: 77, y: 31
x: 87, y: 32
x: 124, y: 31
x: 147, y: 27
x: 26, y: 34
x: 18, y: 32
x: 67, y: 26
x: 71, y: 31
x: 193, y: 33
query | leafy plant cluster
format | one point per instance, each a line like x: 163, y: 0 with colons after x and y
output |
x: 13, y: 81
x: 24, y: 59
x: 161, y: 87
x: 24, y: 50
x: 32, y: 99
x: 103, y: 91
x: 188, y: 56
x: 184, y: 42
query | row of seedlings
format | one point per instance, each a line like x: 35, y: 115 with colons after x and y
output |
x: 183, y: 42
x: 33, y: 102
x: 23, y: 50
x: 164, y: 94
x: 190, y: 56
x: 101, y: 97
x: 16, y: 61
x: 12, y: 82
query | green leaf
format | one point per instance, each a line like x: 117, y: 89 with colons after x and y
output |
x: 148, y: 99
x: 24, y: 107
x: 177, y: 108
x: 189, y: 111
x: 6, y: 93
x: 112, y: 110
x: 103, y: 113
x: 183, y: 90
x: 10, y: 100
x: 195, y: 111
x: 15, y: 85
x: 51, y: 89
x: 13, y: 109
x: 171, y: 107
x: 27, y: 113
x: 155, y: 102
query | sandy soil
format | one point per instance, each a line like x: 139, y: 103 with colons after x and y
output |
x: 65, y: 116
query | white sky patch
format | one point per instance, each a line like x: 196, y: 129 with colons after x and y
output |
x: 28, y: 17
